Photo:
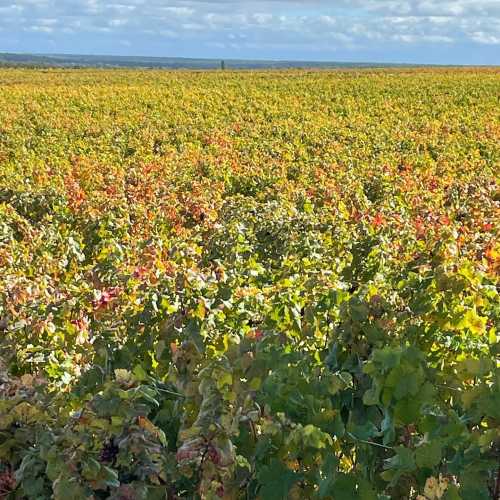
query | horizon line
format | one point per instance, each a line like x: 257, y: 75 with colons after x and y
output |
x: 243, y: 60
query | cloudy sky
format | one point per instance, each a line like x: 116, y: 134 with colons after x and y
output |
x: 417, y: 31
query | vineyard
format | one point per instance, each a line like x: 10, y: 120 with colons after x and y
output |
x: 250, y: 285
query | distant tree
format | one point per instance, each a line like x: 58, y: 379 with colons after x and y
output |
x: 223, y: 65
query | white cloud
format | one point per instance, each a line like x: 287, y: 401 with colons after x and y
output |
x: 179, y: 11
x: 485, y: 38
x: 318, y: 25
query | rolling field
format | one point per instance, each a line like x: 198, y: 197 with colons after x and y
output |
x: 250, y: 285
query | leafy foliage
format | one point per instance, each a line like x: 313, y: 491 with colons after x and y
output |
x: 249, y: 285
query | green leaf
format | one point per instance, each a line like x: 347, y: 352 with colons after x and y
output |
x: 372, y: 396
x: 366, y: 490
x: 140, y: 374
x: 407, y: 411
x: 428, y: 454
x: 387, y: 428
x: 315, y: 438
x: 91, y: 469
x: 359, y: 312
x: 407, y: 385
x: 387, y: 358
x: 451, y: 493
x: 345, y: 487
x: 365, y: 431
x: 110, y: 477
x: 276, y: 480
x: 338, y: 427
x: 68, y: 487
x: 327, y: 476
x: 403, y: 461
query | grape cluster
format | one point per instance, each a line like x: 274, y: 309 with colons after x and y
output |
x: 109, y: 452
x: 7, y: 483
x: 213, y: 455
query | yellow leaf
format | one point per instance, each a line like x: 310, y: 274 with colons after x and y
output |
x: 225, y: 378
x: 201, y: 310
x: 475, y: 323
x: 255, y: 384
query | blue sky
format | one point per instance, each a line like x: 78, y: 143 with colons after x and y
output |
x: 413, y: 31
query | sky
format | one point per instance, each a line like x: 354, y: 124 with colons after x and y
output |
x: 406, y: 31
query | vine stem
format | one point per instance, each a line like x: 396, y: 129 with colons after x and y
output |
x: 496, y: 491
x: 372, y: 443
x: 172, y: 393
